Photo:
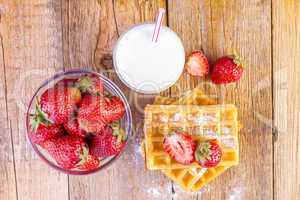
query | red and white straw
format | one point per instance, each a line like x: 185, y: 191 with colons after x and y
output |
x: 159, y: 19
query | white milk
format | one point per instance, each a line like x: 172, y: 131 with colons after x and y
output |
x: 146, y: 66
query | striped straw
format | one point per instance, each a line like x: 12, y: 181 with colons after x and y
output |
x: 158, y: 23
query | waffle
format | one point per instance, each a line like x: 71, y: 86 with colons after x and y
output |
x: 202, y: 122
x: 192, y: 97
x: 191, y: 179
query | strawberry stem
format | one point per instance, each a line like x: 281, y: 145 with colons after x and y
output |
x: 39, y: 117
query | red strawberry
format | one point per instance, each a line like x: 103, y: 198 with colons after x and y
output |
x: 227, y: 69
x: 114, y: 109
x: 66, y: 150
x: 197, y: 64
x: 88, y: 162
x: 97, y: 111
x: 109, y: 143
x: 208, y: 154
x: 59, y: 102
x: 46, y: 132
x: 91, y: 84
x: 89, y: 114
x: 42, y: 129
x: 180, y: 146
x: 72, y: 127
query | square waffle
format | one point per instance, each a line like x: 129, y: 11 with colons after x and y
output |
x: 191, y: 179
x: 202, y: 122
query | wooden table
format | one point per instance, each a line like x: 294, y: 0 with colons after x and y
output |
x: 41, y: 37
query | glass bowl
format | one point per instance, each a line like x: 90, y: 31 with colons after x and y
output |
x: 110, y: 87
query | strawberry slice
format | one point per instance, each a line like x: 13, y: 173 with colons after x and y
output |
x: 208, y: 154
x: 197, y: 64
x: 180, y: 146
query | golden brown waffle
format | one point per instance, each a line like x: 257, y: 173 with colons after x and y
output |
x: 202, y: 122
x: 191, y: 179
x: 192, y: 97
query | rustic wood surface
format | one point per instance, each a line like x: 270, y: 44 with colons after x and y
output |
x: 41, y: 37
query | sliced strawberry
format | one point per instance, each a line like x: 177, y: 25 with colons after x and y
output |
x: 208, y: 154
x: 180, y: 146
x: 197, y: 64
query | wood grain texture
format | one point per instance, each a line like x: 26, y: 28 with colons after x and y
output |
x: 31, y: 41
x: 224, y: 26
x: 7, y: 167
x: 286, y: 54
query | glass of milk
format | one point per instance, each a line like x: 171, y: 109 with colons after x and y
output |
x: 146, y: 66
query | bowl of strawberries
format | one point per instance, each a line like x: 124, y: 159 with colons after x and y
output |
x: 78, y: 122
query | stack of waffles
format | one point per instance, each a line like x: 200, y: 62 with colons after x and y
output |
x: 198, y: 115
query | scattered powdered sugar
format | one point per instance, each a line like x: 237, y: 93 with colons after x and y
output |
x: 163, y: 118
x: 202, y: 120
x: 176, y: 117
x: 226, y: 131
x: 236, y: 194
x: 210, y: 133
x: 228, y: 142
x: 198, y: 171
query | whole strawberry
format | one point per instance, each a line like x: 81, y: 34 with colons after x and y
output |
x: 227, y: 69
x: 67, y: 150
x: 197, y: 64
x: 45, y: 132
x: 59, y: 102
x: 89, y: 114
x: 90, y: 84
x: 97, y: 111
x: 208, y: 154
x: 180, y: 146
x: 110, y: 142
x: 72, y: 128
x: 42, y: 129
x: 114, y: 109
x: 88, y: 162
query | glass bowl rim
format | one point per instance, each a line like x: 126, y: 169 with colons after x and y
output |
x: 113, y: 87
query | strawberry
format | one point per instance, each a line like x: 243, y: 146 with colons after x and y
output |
x: 197, y: 64
x: 59, y: 102
x: 114, y: 109
x: 109, y: 143
x: 227, y: 69
x: 208, y: 154
x: 90, y: 84
x: 42, y: 129
x: 180, y: 146
x: 89, y: 114
x: 97, y: 111
x: 66, y: 150
x: 88, y: 162
x: 72, y: 127
x: 46, y: 132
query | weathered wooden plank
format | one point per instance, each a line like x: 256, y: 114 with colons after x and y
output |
x: 7, y: 168
x: 286, y: 62
x: 102, y: 22
x: 31, y: 39
x: 222, y: 26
